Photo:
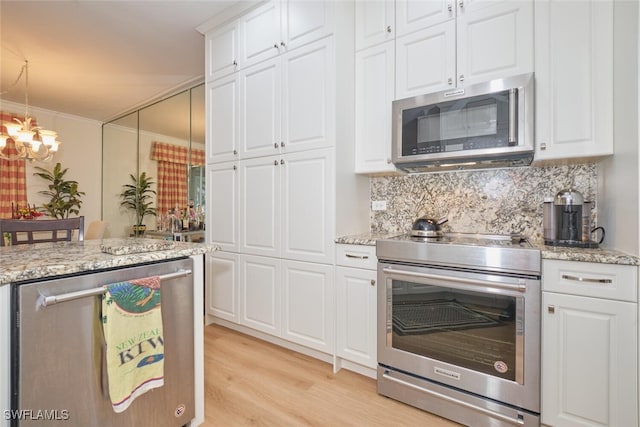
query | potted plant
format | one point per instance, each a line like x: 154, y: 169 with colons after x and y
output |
x: 64, y: 196
x: 139, y: 196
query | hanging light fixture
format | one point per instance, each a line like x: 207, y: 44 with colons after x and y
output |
x: 31, y: 142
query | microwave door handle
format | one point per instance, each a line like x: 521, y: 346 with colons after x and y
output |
x: 512, y: 116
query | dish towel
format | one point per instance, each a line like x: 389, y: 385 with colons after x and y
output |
x: 132, y: 327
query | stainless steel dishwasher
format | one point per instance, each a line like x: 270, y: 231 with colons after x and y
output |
x: 57, y: 369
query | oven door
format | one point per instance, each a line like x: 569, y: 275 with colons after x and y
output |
x: 477, y: 332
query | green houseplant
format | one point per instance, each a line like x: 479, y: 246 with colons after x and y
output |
x: 138, y: 196
x: 64, y: 196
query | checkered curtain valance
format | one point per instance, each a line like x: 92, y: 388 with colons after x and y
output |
x: 173, y: 162
x: 13, y: 181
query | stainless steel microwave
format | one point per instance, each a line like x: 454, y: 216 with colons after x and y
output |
x: 483, y: 125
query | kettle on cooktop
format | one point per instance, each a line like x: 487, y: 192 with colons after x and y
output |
x: 567, y: 221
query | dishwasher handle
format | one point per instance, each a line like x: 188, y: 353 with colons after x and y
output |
x: 46, y: 301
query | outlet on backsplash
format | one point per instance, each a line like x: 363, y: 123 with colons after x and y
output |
x: 379, y: 205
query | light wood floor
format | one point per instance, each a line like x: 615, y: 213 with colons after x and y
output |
x: 249, y: 382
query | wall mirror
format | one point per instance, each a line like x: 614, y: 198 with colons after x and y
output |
x: 164, y: 140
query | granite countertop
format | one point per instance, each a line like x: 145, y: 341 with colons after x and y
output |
x: 600, y: 255
x: 41, y: 260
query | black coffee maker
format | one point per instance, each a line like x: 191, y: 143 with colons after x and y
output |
x: 567, y: 221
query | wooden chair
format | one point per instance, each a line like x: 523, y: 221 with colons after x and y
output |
x: 41, y: 230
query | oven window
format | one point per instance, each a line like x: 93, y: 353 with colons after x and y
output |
x: 475, y: 330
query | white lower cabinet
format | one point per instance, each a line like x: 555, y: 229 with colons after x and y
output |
x: 589, y: 345
x: 260, y: 293
x: 289, y: 299
x: 356, y: 305
x: 222, y: 289
x: 307, y: 304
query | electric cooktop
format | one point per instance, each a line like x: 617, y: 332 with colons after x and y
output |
x: 503, y: 253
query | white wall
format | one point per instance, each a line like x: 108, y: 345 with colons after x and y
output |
x: 619, y: 185
x: 80, y: 151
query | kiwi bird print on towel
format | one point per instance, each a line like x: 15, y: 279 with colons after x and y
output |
x: 132, y: 325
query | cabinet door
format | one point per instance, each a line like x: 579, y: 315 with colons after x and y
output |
x: 260, y: 33
x: 222, y: 51
x: 426, y: 60
x: 260, y: 101
x: 375, y: 22
x: 222, y: 210
x: 260, y: 206
x: 414, y: 15
x: 260, y: 279
x: 305, y: 21
x: 356, y: 315
x: 222, y: 119
x: 308, y: 206
x: 574, y: 79
x: 308, y: 304
x: 222, y: 285
x: 374, y: 94
x: 495, y: 41
x: 589, y: 361
x: 308, y: 92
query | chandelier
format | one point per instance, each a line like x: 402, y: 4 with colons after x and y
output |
x: 31, y: 142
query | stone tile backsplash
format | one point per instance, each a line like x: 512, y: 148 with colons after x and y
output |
x: 499, y: 201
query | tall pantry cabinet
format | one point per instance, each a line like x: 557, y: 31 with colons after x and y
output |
x: 279, y: 138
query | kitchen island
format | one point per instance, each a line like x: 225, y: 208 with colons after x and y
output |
x: 44, y: 261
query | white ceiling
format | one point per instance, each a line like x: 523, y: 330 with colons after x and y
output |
x: 100, y: 59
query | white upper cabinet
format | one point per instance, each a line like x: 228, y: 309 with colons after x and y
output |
x: 308, y: 206
x: 279, y: 26
x: 375, y: 22
x: 426, y: 60
x: 487, y: 40
x: 222, y: 51
x: 414, y: 15
x: 260, y: 34
x: 374, y: 95
x: 222, y: 215
x: 574, y: 79
x: 308, y: 97
x: 305, y: 21
x: 286, y: 102
x: 260, y: 104
x: 260, y: 206
x: 222, y: 119
x: 494, y: 41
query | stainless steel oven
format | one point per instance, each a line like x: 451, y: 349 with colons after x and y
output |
x: 459, y: 327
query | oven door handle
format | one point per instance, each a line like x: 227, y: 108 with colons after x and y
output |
x: 520, y: 287
x: 493, y: 414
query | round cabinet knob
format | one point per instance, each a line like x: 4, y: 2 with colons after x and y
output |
x: 461, y: 4
x: 281, y: 144
x: 275, y: 163
x: 283, y: 44
x: 373, y: 282
x: 235, y: 152
x: 388, y: 28
x: 235, y: 63
x: 450, y: 81
x: 543, y: 146
x: 282, y: 162
x: 461, y: 78
x: 275, y: 45
x: 235, y: 167
x: 449, y: 7
x: 276, y: 145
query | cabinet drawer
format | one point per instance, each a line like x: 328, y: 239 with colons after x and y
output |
x: 611, y: 281
x: 358, y: 256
